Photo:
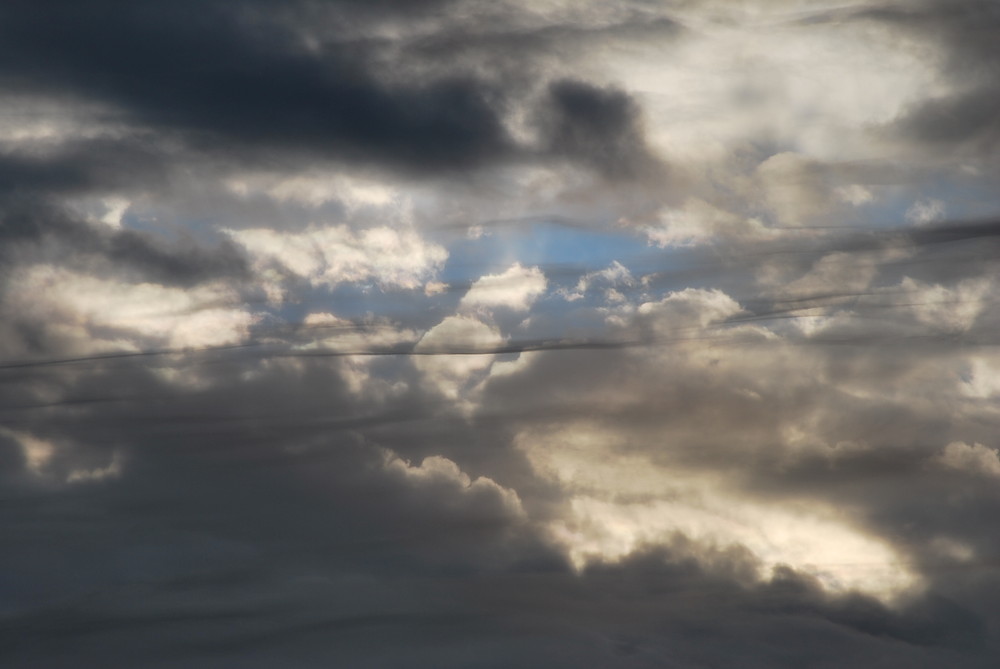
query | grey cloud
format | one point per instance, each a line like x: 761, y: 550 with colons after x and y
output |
x: 206, y: 512
x: 248, y: 474
x: 600, y: 127
x: 40, y: 234
x: 962, y: 117
x: 948, y: 252
x: 658, y: 606
x: 302, y: 496
x: 265, y: 89
x: 967, y: 31
x: 80, y: 167
x: 227, y: 79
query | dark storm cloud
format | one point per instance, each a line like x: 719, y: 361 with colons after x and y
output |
x: 79, y: 167
x: 237, y: 81
x: 229, y: 79
x: 659, y: 607
x: 35, y: 230
x: 181, y: 263
x: 599, y: 127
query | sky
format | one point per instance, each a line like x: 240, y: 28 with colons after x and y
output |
x: 452, y: 333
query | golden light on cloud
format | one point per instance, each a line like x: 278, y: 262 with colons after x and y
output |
x: 621, y: 502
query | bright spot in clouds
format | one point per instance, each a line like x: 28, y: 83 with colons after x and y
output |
x: 621, y: 502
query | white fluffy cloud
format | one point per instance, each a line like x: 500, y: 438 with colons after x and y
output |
x: 331, y: 255
x: 517, y: 288
x: 92, y: 313
x: 689, y: 308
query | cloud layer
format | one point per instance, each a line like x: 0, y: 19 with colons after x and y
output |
x: 443, y: 334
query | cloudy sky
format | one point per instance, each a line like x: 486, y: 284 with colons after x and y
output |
x: 454, y: 333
